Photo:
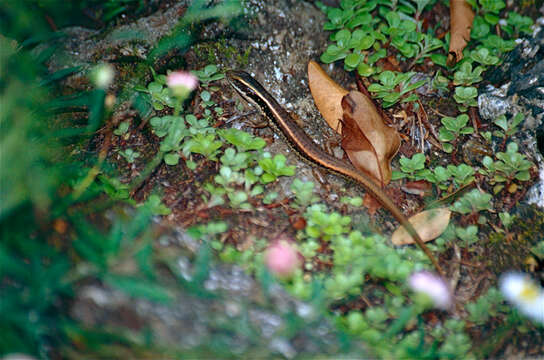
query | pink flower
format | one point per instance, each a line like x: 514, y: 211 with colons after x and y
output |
x: 433, y: 286
x: 181, y: 83
x: 282, y: 258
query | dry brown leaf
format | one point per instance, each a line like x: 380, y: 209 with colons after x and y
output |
x: 461, y: 17
x: 327, y: 95
x: 417, y: 187
x: 429, y: 224
x: 369, y: 143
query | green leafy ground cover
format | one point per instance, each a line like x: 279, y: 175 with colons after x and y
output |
x: 54, y: 239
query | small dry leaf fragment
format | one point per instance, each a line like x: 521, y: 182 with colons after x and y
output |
x: 298, y: 222
x: 419, y: 187
x: 461, y: 17
x: 371, y: 204
x: 327, y: 95
x: 429, y: 224
x: 369, y: 143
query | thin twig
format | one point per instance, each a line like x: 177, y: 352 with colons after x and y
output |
x: 456, y: 274
x: 425, y: 120
x: 458, y: 192
x: 475, y: 119
x: 421, y: 133
x: 438, y: 112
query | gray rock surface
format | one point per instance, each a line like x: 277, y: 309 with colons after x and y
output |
x: 521, y: 90
x: 228, y: 307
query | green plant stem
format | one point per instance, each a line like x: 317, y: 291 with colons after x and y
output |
x: 452, y: 196
x: 80, y: 188
x: 400, y: 323
x: 177, y: 107
x: 151, y: 166
x: 156, y: 161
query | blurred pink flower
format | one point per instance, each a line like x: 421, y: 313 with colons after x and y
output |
x: 181, y: 83
x: 282, y: 258
x: 433, y: 286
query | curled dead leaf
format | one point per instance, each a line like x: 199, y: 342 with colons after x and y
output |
x: 327, y: 95
x: 429, y: 224
x: 461, y: 17
x: 369, y: 143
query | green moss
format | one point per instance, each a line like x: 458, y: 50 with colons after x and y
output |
x: 511, y: 251
x: 218, y: 51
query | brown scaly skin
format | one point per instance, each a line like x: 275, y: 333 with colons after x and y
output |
x: 282, y: 123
